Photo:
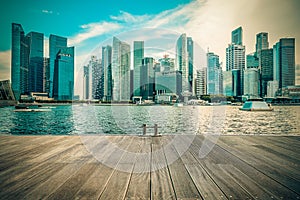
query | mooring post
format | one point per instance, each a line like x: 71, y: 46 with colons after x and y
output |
x: 155, y: 130
x: 144, y: 129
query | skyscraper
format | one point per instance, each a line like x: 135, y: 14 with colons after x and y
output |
x: 284, y: 62
x: 56, y: 43
x: 201, y: 82
x: 213, y: 74
x: 237, y: 36
x: 86, y: 82
x: 121, y: 70
x: 184, y: 61
x: 35, y: 42
x: 19, y: 66
x: 97, y: 78
x: 147, y: 75
x: 261, y: 42
x: 46, y: 75
x: 190, y: 51
x: 266, y: 66
x: 63, y: 80
x: 138, y: 55
x: 235, y: 60
x: 106, y: 65
x: 251, y: 82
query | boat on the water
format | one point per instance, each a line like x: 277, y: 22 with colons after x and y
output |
x: 256, y: 105
x: 31, y: 108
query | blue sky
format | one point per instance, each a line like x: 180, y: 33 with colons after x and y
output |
x: 91, y: 24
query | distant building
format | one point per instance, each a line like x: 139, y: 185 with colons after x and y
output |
x: 266, y: 65
x: 272, y: 88
x: 19, y: 61
x: 184, y: 61
x: 138, y: 55
x: 261, y: 42
x: 236, y: 79
x: 166, y: 63
x: 56, y: 43
x: 121, y: 70
x: 63, y: 82
x: 168, y: 82
x: 46, y: 86
x: 86, y: 82
x: 251, y: 82
x: 106, y: 66
x: 252, y: 61
x: 235, y: 60
x: 200, y: 86
x: 227, y: 83
x: 284, y: 62
x: 237, y: 36
x: 6, y: 92
x: 35, y: 42
x: 214, y: 74
x: 147, y: 82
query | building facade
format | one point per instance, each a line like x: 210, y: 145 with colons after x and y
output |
x: 251, y: 82
x: 200, y: 86
x: 35, y: 42
x: 284, y: 62
x: 121, y: 70
x: 63, y: 81
x: 19, y: 67
x: 184, y: 61
x: 237, y: 36
x: 106, y: 66
x: 147, y: 80
x: 56, y: 43
x: 266, y: 67
x: 138, y: 55
x: 214, y: 74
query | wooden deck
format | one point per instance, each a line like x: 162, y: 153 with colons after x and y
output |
x: 237, y: 167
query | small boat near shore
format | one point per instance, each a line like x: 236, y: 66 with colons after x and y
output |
x: 256, y: 105
x: 31, y: 108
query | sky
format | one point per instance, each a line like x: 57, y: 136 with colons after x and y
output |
x: 92, y: 24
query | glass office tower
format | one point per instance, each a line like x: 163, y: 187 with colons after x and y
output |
x: 56, y: 43
x: 63, y: 80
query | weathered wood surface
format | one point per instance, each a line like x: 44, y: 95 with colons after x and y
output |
x: 137, y: 167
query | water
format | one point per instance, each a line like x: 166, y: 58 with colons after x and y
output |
x: 68, y: 120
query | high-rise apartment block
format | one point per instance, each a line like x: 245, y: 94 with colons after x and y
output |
x: 121, y: 70
x: 138, y: 55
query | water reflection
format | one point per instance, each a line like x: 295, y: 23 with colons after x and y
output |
x: 129, y: 119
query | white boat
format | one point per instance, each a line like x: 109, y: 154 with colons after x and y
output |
x: 256, y: 105
x: 178, y: 104
x: 32, y: 110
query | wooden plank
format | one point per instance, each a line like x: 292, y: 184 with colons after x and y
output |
x: 267, y: 164
x: 161, y: 183
x: 183, y: 184
x: 117, y: 185
x: 139, y: 185
x: 240, y: 163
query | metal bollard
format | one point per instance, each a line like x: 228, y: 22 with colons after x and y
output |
x: 144, y: 129
x: 155, y: 130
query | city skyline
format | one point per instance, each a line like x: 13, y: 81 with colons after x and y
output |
x: 208, y: 23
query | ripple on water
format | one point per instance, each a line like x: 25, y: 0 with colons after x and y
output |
x: 129, y: 119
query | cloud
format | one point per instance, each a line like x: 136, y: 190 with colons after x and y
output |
x: 126, y: 17
x: 5, y: 60
x: 47, y: 11
x: 92, y: 30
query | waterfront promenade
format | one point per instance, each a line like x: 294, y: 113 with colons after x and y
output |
x: 237, y: 167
